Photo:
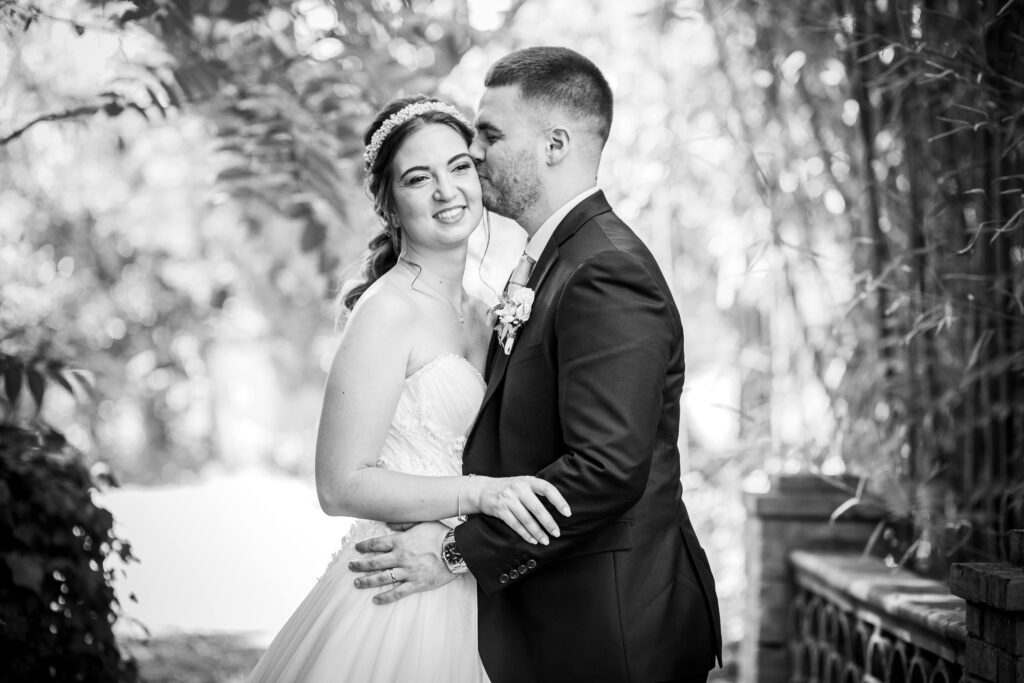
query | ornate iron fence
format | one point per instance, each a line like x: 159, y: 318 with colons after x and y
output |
x: 854, y: 621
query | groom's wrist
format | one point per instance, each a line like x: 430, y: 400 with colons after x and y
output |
x: 450, y: 554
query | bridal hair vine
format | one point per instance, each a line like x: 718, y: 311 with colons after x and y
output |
x: 404, y: 114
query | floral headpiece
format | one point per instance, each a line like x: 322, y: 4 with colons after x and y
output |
x: 404, y: 114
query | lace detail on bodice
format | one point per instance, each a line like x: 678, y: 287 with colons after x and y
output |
x: 435, y: 412
x: 434, y: 415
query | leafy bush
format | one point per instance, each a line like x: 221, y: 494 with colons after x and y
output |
x: 57, y: 605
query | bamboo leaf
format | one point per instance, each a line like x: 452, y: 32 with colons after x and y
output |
x: 313, y: 235
x: 979, y: 345
x: 847, y: 505
x: 235, y: 173
x: 873, y: 538
x: 13, y: 375
x: 299, y: 209
x: 138, y: 108
x: 155, y: 101
x: 58, y: 376
x: 36, y: 386
x: 909, y: 553
x: 84, y: 380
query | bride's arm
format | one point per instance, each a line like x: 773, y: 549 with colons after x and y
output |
x: 363, y: 388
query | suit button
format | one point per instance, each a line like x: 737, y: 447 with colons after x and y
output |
x: 513, y: 575
x: 531, y: 564
x: 502, y: 578
x: 522, y: 569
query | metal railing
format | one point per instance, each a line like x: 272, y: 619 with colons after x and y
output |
x: 854, y: 621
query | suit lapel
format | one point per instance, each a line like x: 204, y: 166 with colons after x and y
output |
x: 492, y: 349
x: 498, y: 360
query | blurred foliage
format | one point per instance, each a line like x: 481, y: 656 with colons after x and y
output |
x: 203, y: 180
x: 903, y: 121
x: 57, y: 604
x: 289, y: 88
x: 832, y: 189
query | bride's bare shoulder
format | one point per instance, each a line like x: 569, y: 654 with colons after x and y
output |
x: 385, y: 304
x: 376, y: 333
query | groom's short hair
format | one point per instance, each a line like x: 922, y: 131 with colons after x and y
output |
x: 559, y: 77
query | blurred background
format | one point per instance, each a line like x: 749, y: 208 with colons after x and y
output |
x: 834, y: 192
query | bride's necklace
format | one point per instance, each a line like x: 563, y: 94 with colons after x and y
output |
x: 433, y: 291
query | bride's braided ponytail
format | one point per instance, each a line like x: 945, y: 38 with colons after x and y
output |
x: 380, y: 257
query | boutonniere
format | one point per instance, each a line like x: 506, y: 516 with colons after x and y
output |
x: 509, y: 314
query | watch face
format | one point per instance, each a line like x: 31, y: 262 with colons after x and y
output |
x: 451, y: 555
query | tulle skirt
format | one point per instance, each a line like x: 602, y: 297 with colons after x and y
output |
x: 339, y: 634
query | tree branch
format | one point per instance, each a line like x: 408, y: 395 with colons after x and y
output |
x: 32, y: 13
x: 55, y: 116
x: 510, y: 14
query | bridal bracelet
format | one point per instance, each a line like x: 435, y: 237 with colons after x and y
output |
x: 458, y: 499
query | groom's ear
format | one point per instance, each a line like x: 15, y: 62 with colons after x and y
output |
x: 557, y: 145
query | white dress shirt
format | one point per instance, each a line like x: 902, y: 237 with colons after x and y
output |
x: 535, y: 245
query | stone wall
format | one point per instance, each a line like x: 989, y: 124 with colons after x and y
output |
x: 819, y: 610
x: 795, y: 513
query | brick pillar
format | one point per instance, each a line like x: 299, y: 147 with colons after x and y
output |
x: 793, y: 514
x: 995, y: 615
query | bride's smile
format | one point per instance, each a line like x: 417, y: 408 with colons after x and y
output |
x: 451, y: 215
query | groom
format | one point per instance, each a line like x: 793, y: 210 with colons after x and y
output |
x: 587, y: 397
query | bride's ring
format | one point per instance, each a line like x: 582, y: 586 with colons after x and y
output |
x: 391, y: 575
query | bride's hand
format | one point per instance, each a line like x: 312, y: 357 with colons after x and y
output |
x: 514, y: 500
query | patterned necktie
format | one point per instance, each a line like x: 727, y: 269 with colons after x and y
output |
x: 520, y: 275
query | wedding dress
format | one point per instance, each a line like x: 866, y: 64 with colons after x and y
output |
x: 338, y: 633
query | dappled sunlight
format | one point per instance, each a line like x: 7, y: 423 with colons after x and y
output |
x: 837, y: 212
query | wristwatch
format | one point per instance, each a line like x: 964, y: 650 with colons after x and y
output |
x: 450, y: 554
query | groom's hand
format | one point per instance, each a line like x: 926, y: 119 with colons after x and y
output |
x: 404, y: 563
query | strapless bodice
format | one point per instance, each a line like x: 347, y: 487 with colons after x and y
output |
x: 435, y: 412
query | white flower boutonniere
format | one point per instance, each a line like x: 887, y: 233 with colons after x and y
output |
x: 509, y: 314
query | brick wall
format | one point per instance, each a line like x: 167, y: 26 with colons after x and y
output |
x: 793, y: 514
x: 995, y: 615
x: 984, y: 644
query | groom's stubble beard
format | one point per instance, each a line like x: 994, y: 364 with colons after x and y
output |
x: 516, y: 190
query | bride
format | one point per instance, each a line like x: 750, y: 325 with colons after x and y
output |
x: 401, y: 396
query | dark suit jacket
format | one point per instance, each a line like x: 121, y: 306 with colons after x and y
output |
x: 588, y: 399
